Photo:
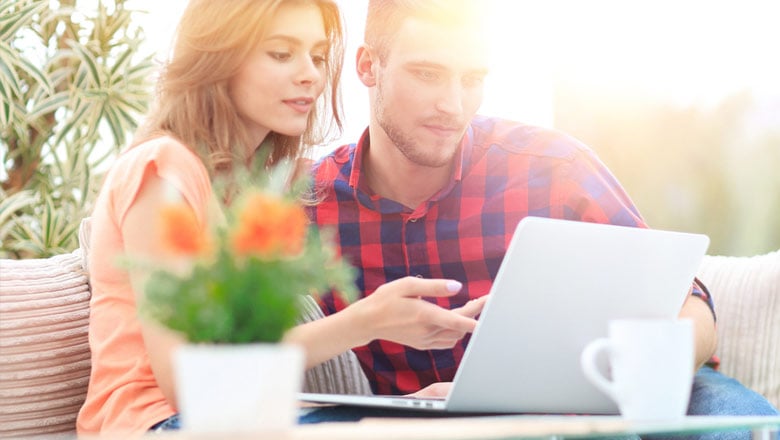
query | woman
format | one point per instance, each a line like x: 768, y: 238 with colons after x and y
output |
x: 243, y: 73
x: 246, y: 79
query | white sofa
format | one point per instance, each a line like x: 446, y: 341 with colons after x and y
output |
x: 45, y: 363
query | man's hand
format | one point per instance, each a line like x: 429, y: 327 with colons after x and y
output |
x: 396, y: 312
x: 435, y: 390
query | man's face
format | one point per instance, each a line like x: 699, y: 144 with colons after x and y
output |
x: 428, y: 89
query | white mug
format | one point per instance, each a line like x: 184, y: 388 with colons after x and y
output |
x: 651, y: 363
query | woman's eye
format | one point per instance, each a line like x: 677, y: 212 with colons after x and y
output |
x: 280, y: 56
x: 319, y: 60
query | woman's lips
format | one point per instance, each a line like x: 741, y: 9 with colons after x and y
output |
x: 300, y: 105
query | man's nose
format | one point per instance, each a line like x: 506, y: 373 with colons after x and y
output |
x: 451, y: 98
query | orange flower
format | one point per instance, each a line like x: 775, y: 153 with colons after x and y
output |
x: 268, y: 224
x: 180, y: 232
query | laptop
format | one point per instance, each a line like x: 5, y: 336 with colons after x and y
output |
x: 558, y: 286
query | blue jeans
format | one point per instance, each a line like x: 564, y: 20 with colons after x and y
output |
x: 713, y: 394
x: 172, y: 423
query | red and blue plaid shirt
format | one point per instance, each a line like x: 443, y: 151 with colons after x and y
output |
x: 505, y: 172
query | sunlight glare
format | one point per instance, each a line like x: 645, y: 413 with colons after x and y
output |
x: 686, y: 50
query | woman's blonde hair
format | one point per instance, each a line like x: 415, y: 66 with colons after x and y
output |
x: 213, y: 40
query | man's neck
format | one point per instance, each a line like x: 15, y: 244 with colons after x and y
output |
x: 391, y: 175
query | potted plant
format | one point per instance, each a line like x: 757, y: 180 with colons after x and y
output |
x: 235, y: 301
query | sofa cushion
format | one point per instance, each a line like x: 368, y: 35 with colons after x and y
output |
x: 746, y: 292
x: 45, y: 360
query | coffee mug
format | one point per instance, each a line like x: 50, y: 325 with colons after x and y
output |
x: 651, y: 363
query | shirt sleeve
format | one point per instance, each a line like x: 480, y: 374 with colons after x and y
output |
x: 171, y: 161
x: 588, y: 191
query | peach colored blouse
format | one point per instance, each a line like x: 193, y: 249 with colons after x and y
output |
x: 123, y: 396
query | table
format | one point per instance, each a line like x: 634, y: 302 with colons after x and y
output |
x: 508, y: 427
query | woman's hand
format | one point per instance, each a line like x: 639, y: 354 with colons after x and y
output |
x: 393, y: 312
x: 472, y: 308
x: 396, y: 312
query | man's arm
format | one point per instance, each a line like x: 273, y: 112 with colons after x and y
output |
x: 593, y: 194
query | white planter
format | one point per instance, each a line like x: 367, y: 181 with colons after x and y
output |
x: 238, y: 388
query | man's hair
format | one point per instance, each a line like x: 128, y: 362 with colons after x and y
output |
x: 385, y: 18
x: 213, y: 40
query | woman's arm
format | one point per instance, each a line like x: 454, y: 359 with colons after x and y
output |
x: 141, y: 242
x: 394, y: 312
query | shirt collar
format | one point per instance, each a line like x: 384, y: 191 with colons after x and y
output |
x: 372, y: 200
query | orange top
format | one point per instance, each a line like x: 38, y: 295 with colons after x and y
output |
x: 123, y: 396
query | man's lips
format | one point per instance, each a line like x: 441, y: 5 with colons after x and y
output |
x: 442, y: 130
x: 300, y: 105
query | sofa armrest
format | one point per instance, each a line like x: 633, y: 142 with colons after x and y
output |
x: 746, y: 292
x: 45, y: 355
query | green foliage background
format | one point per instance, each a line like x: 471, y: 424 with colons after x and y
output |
x: 690, y: 168
x: 73, y: 85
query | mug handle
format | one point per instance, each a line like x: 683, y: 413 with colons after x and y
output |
x: 591, y: 371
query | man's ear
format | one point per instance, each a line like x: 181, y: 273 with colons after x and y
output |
x: 364, y: 64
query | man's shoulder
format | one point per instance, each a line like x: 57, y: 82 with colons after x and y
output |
x: 340, y: 155
x: 504, y: 136
x: 335, y: 161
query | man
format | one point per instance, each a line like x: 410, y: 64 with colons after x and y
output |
x: 434, y: 191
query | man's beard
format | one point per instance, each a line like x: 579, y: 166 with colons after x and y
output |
x: 412, y: 150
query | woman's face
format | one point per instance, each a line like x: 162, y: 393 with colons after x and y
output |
x: 278, y: 85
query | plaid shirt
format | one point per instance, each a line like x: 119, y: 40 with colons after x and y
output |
x: 505, y: 172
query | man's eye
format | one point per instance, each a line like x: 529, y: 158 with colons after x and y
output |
x: 280, y: 56
x: 473, y: 80
x: 427, y: 75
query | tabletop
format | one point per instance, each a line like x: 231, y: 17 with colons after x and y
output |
x: 507, y: 427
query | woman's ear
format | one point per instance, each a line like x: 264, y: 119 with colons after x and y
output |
x: 364, y: 64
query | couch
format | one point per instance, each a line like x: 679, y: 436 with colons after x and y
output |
x: 45, y: 360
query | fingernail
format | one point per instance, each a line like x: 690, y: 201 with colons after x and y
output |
x: 454, y: 286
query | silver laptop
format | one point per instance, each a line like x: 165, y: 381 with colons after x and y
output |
x: 558, y: 286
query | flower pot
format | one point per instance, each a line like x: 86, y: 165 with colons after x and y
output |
x: 238, y: 388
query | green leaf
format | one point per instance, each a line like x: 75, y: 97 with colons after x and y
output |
x: 13, y: 203
x: 75, y: 121
x: 49, y: 105
x: 36, y: 73
x: 11, y: 22
x: 114, y: 123
x: 89, y: 63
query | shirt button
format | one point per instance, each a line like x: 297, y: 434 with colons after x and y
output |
x: 412, y: 220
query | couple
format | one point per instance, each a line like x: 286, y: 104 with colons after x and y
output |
x: 424, y: 204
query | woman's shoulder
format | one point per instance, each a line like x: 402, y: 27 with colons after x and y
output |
x: 162, y: 148
x: 164, y: 156
x: 164, y: 152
